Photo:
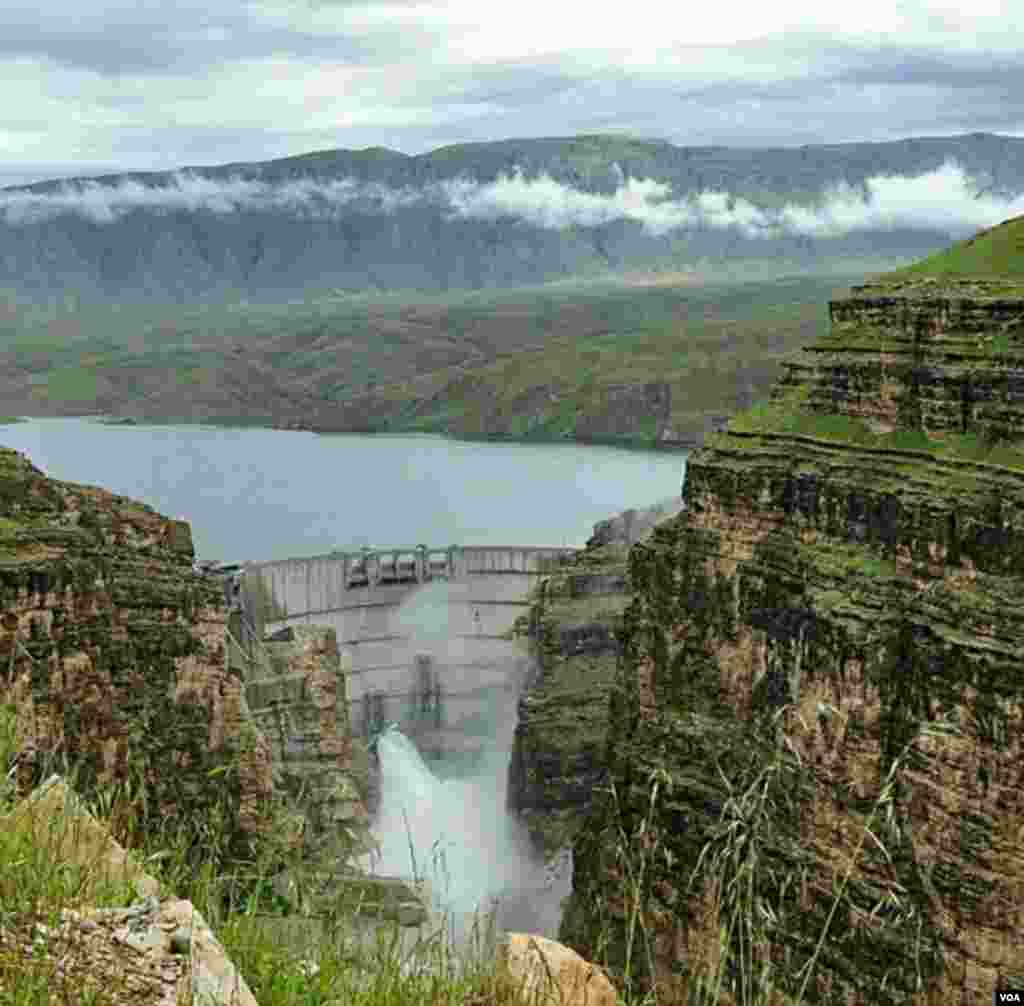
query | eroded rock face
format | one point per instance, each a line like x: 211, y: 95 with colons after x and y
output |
x: 832, y: 598
x: 559, y: 750
x: 116, y: 653
x: 299, y: 703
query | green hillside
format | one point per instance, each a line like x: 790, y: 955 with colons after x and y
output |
x: 959, y: 316
x: 994, y: 253
x: 614, y: 362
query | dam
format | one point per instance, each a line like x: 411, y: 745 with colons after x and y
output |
x: 427, y: 644
x: 426, y: 634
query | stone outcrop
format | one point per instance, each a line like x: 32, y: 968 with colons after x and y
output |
x: 298, y: 702
x: 116, y: 652
x: 836, y: 621
x: 154, y: 952
x: 546, y: 973
x: 631, y: 526
x: 561, y: 733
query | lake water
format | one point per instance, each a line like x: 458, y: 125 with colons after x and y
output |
x: 259, y: 494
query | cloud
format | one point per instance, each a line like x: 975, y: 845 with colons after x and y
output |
x: 147, y: 85
x: 943, y: 200
x: 189, y: 192
x: 946, y: 200
x: 123, y: 39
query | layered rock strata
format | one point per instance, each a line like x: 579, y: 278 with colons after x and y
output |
x: 824, y: 663
x: 116, y: 653
x: 299, y: 703
x: 573, y: 625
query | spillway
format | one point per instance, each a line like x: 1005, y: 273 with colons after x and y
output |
x: 443, y: 819
x: 456, y: 834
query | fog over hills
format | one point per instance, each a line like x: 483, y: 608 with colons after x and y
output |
x: 493, y: 215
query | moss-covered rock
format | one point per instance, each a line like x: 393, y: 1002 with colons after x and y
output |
x: 574, y: 622
x: 846, y: 575
x: 116, y: 654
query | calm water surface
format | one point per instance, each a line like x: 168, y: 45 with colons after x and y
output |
x: 257, y: 494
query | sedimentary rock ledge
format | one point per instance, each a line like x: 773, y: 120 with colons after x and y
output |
x: 843, y: 588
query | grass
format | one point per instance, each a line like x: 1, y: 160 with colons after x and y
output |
x: 734, y: 966
x: 72, y: 384
x: 996, y: 253
x: 787, y: 416
x: 291, y: 960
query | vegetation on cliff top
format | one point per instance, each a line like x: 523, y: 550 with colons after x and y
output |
x: 996, y: 253
x: 786, y: 417
x: 986, y: 268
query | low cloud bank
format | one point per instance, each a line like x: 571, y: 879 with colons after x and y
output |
x: 945, y: 200
x: 105, y: 204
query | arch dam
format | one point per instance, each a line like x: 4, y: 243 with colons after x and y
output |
x: 425, y: 634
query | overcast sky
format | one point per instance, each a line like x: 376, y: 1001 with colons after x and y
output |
x: 144, y: 85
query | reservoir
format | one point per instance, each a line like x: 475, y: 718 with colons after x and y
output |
x: 260, y: 495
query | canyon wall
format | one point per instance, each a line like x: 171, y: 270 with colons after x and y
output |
x: 558, y: 753
x: 116, y: 652
x: 298, y: 701
x: 823, y: 667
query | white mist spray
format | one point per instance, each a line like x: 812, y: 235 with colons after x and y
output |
x: 455, y: 833
x: 475, y: 856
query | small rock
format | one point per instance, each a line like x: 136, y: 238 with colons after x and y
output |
x: 550, y: 974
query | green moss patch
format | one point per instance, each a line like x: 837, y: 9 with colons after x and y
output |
x: 788, y: 415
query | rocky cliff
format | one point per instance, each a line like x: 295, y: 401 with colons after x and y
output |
x: 573, y: 626
x: 823, y: 665
x: 298, y: 702
x: 116, y: 652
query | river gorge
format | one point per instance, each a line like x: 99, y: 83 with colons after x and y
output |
x: 270, y: 495
x: 818, y: 644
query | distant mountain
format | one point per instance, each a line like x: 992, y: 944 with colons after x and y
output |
x: 493, y: 215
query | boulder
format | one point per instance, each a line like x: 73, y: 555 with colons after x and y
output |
x: 547, y: 973
x: 151, y: 953
x: 155, y: 952
x: 59, y: 821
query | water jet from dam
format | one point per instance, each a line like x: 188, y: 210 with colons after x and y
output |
x: 444, y: 819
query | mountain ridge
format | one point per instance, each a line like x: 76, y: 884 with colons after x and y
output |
x: 513, y: 142
x: 488, y: 215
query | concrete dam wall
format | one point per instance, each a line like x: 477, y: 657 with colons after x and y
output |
x: 423, y: 633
